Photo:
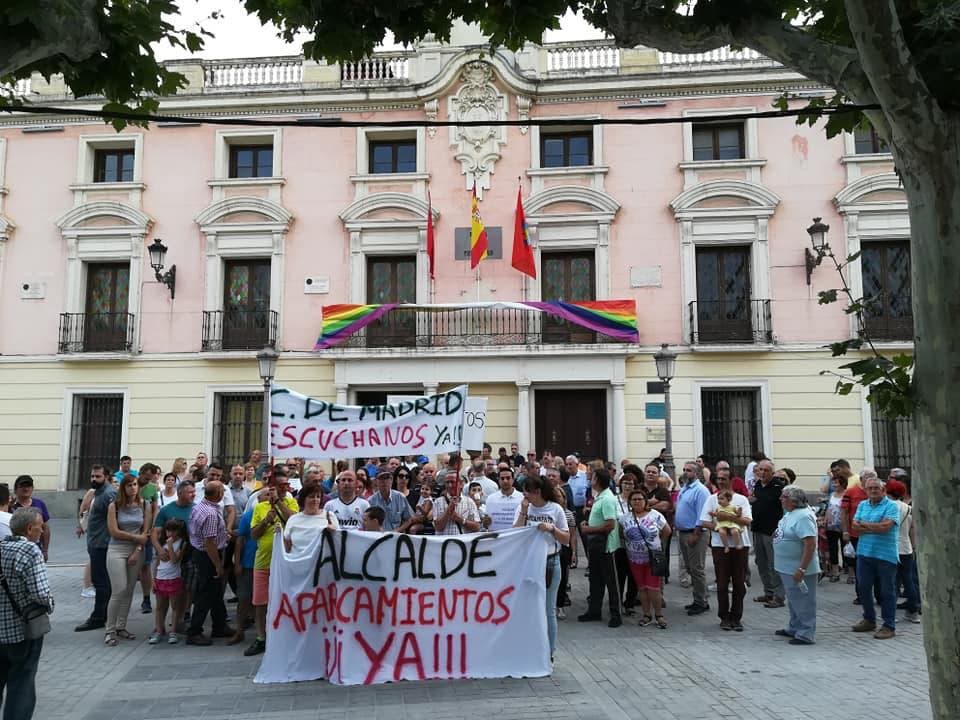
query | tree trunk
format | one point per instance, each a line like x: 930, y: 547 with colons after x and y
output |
x: 933, y: 189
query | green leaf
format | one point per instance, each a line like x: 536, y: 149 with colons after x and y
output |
x: 826, y: 297
x: 854, y: 256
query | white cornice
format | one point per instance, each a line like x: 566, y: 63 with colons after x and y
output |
x: 213, y: 215
x: 596, y: 199
x: 104, y: 208
x: 355, y: 212
x: 849, y: 198
x: 762, y: 200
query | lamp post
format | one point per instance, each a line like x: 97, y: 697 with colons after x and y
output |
x: 666, y: 367
x: 158, y: 253
x: 818, y: 240
x: 267, y: 364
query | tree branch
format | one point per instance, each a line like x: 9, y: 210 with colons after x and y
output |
x: 891, y: 68
x: 635, y: 22
x: 69, y: 28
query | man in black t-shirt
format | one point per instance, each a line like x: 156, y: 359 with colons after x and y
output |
x: 767, y: 511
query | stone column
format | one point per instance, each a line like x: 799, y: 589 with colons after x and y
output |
x: 619, y: 422
x: 341, y: 393
x: 523, y: 415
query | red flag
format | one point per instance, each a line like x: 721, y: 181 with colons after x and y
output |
x: 431, y: 241
x: 523, y: 259
x: 478, y: 233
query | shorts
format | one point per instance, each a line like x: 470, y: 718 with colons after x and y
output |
x: 148, y: 554
x: 644, y: 577
x: 261, y: 586
x: 168, y: 588
x: 245, y: 585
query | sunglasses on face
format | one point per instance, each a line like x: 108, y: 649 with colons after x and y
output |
x: 403, y: 475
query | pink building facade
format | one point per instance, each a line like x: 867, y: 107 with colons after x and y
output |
x: 702, y: 223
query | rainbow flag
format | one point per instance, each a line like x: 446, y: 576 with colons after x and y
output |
x: 341, y: 321
x: 614, y: 318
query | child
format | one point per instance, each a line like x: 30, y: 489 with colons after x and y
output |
x: 373, y: 518
x: 169, y: 583
x: 726, y: 527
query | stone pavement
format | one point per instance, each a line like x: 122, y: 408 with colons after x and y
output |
x: 691, y: 671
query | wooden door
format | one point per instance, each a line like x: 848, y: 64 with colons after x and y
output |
x: 567, y: 277
x: 572, y: 421
x: 246, y: 304
x: 723, y: 295
x: 392, y: 279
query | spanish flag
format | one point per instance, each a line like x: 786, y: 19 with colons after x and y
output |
x: 478, y: 233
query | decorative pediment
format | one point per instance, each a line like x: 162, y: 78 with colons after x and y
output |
x: 387, y: 208
x: 246, y: 211
x: 477, y: 148
x: 105, y: 214
x: 717, y: 195
x: 571, y: 199
x: 882, y: 191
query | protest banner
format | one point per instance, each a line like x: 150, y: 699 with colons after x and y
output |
x: 474, y: 419
x: 362, y: 608
x: 302, y: 426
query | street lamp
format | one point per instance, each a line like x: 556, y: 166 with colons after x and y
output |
x: 267, y: 364
x: 158, y: 251
x: 666, y: 367
x: 818, y: 240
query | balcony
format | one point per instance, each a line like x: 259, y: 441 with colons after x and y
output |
x: 239, y: 330
x: 730, y: 322
x: 96, y: 332
x: 889, y: 328
x: 471, y: 327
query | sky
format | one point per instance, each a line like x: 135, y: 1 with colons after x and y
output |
x: 239, y: 35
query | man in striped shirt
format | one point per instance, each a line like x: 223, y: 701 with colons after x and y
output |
x: 208, y: 538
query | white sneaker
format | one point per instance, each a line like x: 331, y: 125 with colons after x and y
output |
x: 712, y: 587
x: 173, y: 639
x: 913, y: 617
x: 561, y: 615
x: 88, y: 592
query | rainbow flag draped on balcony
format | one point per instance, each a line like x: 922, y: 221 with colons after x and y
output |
x: 614, y: 318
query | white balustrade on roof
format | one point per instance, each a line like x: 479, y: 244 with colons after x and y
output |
x: 254, y: 72
x: 379, y: 68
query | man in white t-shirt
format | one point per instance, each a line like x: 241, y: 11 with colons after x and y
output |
x: 348, y: 506
x: 227, y: 504
x: 502, y: 505
x: 730, y: 564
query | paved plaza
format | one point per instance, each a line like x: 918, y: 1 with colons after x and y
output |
x: 691, y: 671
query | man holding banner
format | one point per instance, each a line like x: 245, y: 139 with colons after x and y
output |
x: 453, y: 513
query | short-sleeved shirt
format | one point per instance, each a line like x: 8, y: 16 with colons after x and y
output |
x: 98, y: 536
x: 658, y: 495
x: 788, y: 539
x: 466, y: 509
x: 767, y: 509
x: 240, y: 497
x: 265, y: 541
x: 885, y: 545
x: 396, y: 510
x: 206, y: 522
x: 249, y: 544
x: 36, y: 504
x: 689, y: 506
x: 149, y: 492
x: 738, y: 501
x: 550, y: 512
x: 579, y: 487
x: 605, y: 507
x: 349, y: 514
x: 173, y: 511
x: 851, y: 501
x: 906, y: 522
x: 301, y: 529
x: 502, y: 509
x: 118, y: 475
x: 640, y: 532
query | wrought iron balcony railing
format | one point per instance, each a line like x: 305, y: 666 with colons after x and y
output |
x: 730, y: 321
x: 887, y: 327
x: 470, y: 327
x: 96, y: 332
x: 239, y: 330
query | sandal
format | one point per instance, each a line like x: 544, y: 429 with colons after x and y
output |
x: 661, y: 622
x: 122, y: 633
x: 110, y: 639
x: 645, y: 620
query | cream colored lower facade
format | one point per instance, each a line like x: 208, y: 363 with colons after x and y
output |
x: 168, y: 401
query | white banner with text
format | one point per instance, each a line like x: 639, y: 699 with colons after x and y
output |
x: 361, y: 608
x: 474, y: 419
x: 304, y: 427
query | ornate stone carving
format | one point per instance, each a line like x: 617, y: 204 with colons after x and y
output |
x: 523, y: 111
x: 432, y: 109
x: 477, y: 148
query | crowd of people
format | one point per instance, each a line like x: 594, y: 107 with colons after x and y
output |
x: 187, y: 535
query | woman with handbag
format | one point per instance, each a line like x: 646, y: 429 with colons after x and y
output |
x: 643, y: 530
x: 540, y: 509
x: 25, y: 605
x: 129, y: 520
